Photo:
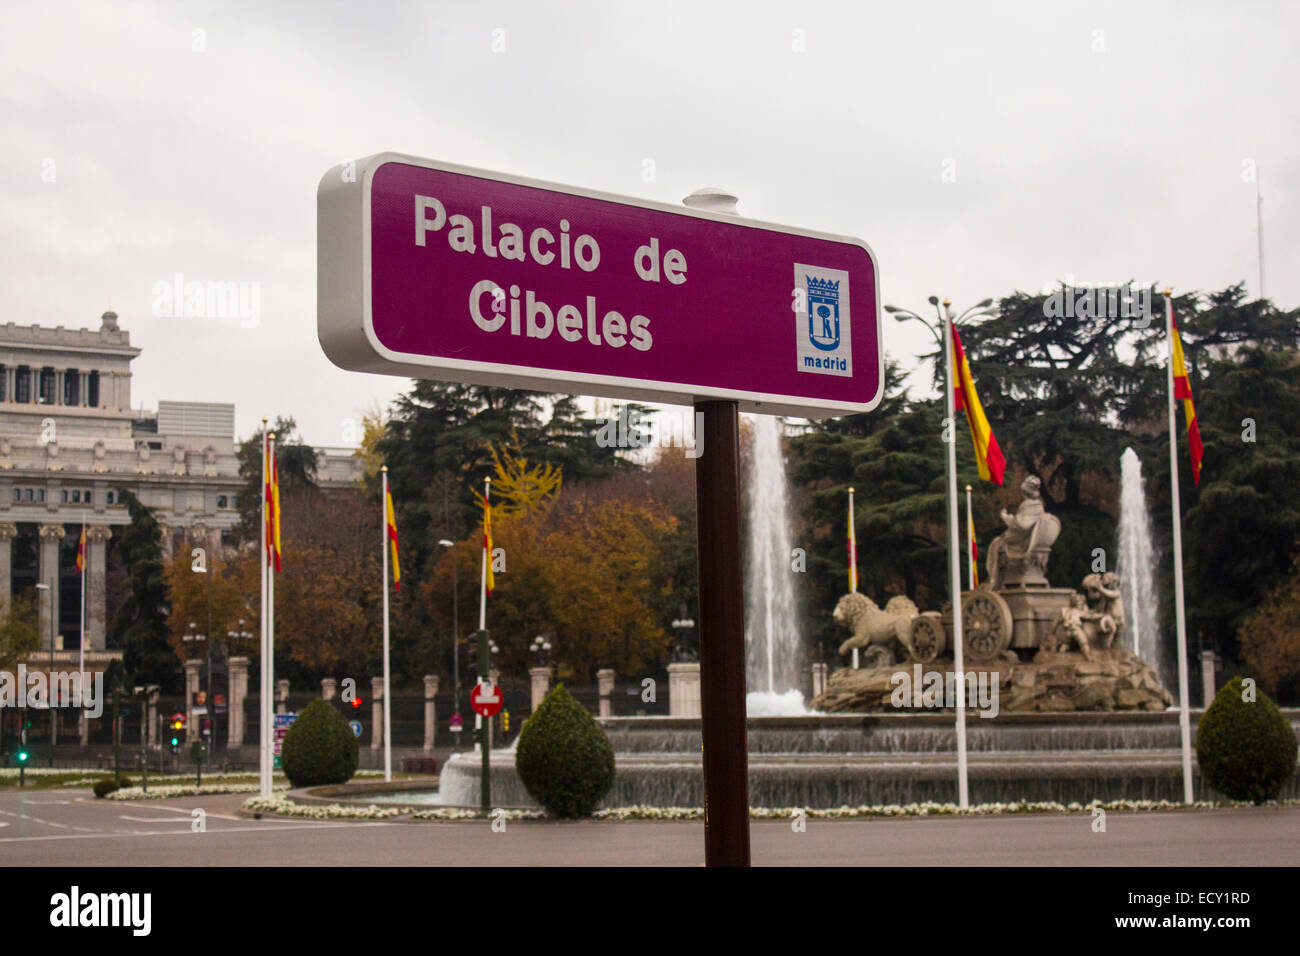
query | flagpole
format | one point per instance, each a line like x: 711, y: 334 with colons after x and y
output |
x: 81, y: 651
x: 970, y: 542
x: 1184, y: 716
x: 954, y: 559
x: 388, y: 691
x: 264, y: 723
x: 270, y: 619
x: 853, y: 562
x: 482, y: 594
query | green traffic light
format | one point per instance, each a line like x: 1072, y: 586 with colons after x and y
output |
x: 22, y: 756
x: 175, y: 741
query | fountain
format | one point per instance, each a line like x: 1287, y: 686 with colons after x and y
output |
x: 1136, y: 565
x: 773, y: 643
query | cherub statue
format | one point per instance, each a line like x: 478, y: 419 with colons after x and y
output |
x: 1104, y: 598
x: 1071, y: 627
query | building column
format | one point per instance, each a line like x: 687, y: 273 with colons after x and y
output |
x: 8, y: 531
x: 540, y: 679
x: 191, y: 688
x: 377, y: 712
x: 430, y: 711
x: 282, y: 695
x: 48, y: 573
x: 238, y: 675
x: 605, y: 684
x: 97, y: 537
x: 328, y: 688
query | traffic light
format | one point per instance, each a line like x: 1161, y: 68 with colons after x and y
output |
x: 356, y: 705
x: 178, y: 727
x: 505, y: 721
x: 23, y: 754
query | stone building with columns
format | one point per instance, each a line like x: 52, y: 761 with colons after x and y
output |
x: 70, y: 443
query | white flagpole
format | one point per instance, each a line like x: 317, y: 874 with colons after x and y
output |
x: 270, y: 628
x: 1184, y: 716
x: 388, y: 690
x: 264, y: 724
x: 853, y: 562
x: 81, y: 652
x: 954, y: 563
x: 970, y: 550
x: 482, y: 604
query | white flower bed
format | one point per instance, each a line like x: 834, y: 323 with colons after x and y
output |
x: 333, y: 811
x: 164, y: 791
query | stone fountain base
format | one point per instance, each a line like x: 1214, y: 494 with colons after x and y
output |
x: 1112, y: 680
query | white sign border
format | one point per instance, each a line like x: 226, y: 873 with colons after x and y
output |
x: 343, y: 288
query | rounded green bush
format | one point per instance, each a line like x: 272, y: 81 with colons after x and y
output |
x: 106, y: 786
x: 563, y: 757
x: 1245, y: 749
x: 319, y: 747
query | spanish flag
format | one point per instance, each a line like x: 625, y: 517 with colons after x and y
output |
x: 391, y: 521
x: 272, y: 480
x: 81, y: 551
x: 1183, y: 390
x: 853, y: 548
x: 988, y: 456
x: 974, y: 547
x: 487, y: 536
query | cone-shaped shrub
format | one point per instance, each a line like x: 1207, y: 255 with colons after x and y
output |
x: 563, y: 757
x: 1245, y: 748
x: 319, y: 747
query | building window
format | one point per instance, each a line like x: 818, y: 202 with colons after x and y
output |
x: 23, y: 384
x: 221, y: 501
x: 47, y: 386
x: 111, y: 497
x: 76, y: 497
x: 27, y: 494
x: 65, y: 496
x: 92, y: 390
x: 71, y: 387
x: 18, y: 494
x: 87, y: 497
x: 40, y: 494
x: 4, y: 383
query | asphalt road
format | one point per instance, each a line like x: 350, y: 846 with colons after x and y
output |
x: 72, y: 828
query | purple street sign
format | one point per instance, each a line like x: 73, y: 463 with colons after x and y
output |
x: 439, y: 271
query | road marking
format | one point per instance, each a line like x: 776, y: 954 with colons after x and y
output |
x: 190, y: 813
x: 147, y: 833
x: 48, y: 803
x: 149, y: 819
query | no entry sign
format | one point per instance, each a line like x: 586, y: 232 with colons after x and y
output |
x: 432, y: 270
x: 486, y: 699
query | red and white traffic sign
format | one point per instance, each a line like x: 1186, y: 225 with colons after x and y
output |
x: 486, y: 699
x: 455, y: 723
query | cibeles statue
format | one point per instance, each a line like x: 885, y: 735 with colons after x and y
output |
x: 1018, y: 556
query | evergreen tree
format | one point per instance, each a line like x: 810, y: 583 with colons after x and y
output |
x: 140, y: 626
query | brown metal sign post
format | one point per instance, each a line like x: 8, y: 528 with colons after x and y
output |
x: 722, y: 638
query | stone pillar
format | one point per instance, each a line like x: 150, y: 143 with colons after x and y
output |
x: 238, y: 692
x: 377, y: 712
x: 1209, y: 666
x: 97, y: 537
x: 8, y: 531
x: 191, y: 688
x: 430, y: 711
x: 819, y: 679
x: 541, y: 683
x: 329, y: 686
x: 48, y: 573
x: 684, y: 689
x: 605, y: 684
x: 282, y: 696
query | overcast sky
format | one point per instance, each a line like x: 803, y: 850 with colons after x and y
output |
x: 978, y: 148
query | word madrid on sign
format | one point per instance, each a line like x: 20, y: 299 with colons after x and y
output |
x: 432, y: 270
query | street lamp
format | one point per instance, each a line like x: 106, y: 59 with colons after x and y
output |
x: 682, y: 649
x: 541, y: 649
x: 49, y: 691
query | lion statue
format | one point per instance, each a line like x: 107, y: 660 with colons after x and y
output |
x: 875, y: 629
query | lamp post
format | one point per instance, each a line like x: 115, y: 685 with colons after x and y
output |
x: 944, y: 336
x: 455, y: 629
x: 682, y: 649
x: 49, y: 691
x: 541, y: 649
